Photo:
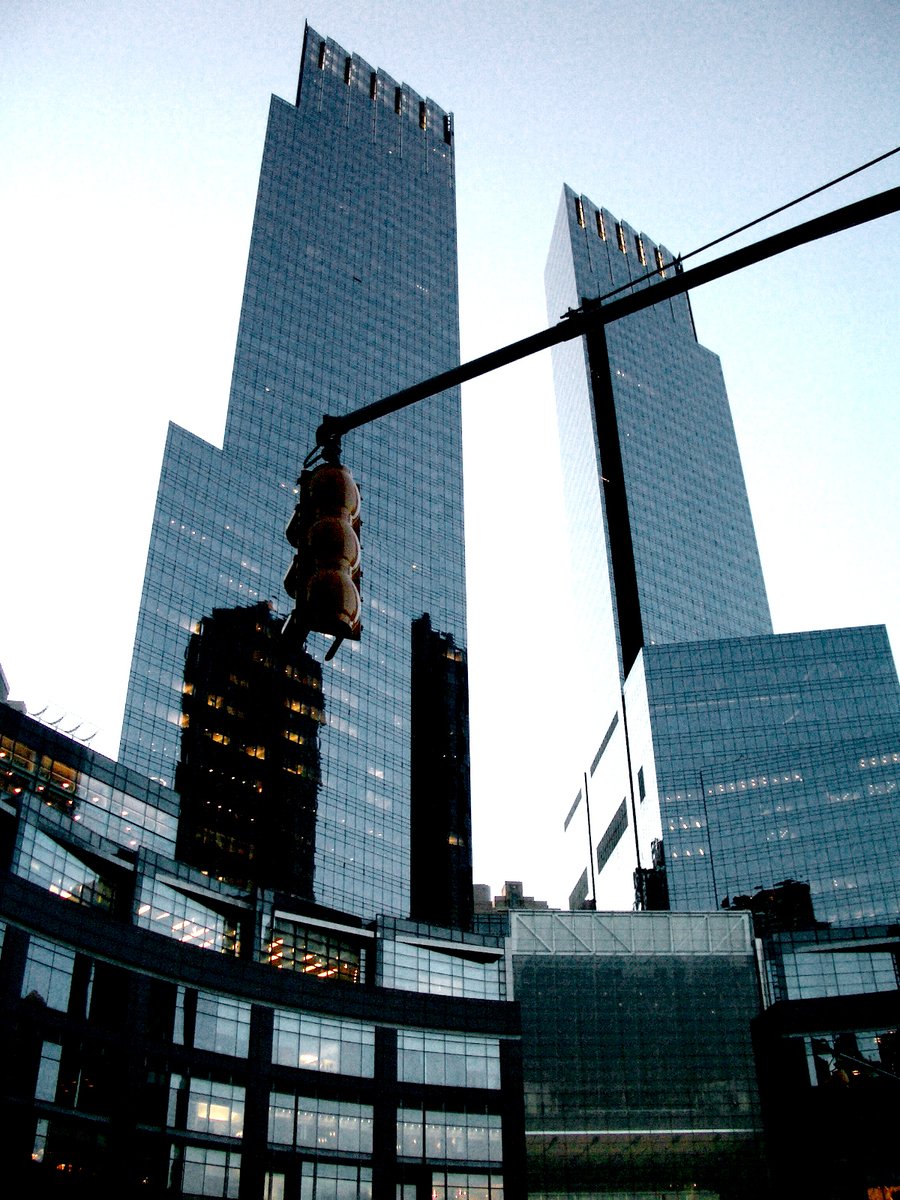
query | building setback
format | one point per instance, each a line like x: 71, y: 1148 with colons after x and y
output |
x: 350, y: 294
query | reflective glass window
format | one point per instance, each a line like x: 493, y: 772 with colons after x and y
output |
x: 450, y: 1060
x: 317, y: 1124
x: 48, y: 972
x: 323, y: 1044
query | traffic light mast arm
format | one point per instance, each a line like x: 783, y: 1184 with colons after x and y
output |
x: 600, y: 312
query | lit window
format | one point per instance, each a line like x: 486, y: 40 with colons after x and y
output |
x: 579, y: 212
x: 601, y: 226
x: 620, y: 237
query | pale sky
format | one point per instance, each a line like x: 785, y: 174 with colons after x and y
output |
x: 131, y: 136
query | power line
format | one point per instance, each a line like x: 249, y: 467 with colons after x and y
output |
x: 790, y: 204
x: 682, y: 258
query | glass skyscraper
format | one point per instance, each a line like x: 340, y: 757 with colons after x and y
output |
x: 716, y: 758
x: 770, y: 759
x: 350, y: 294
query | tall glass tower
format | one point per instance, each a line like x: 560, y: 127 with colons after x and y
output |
x: 350, y: 294
x: 717, y: 760
x: 665, y: 544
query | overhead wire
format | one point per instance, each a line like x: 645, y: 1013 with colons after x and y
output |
x: 677, y: 261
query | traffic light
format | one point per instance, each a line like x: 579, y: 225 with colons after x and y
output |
x: 323, y: 579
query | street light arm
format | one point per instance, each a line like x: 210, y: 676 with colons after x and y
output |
x: 600, y: 312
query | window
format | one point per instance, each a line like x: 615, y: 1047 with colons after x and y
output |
x: 423, y: 115
x: 222, y: 1024
x: 660, y: 266
x: 610, y: 839
x: 49, y: 864
x: 48, y: 1072
x: 317, y: 952
x: 205, y: 1172
x: 620, y: 238
x: 456, y: 1186
x: 639, y: 247
x: 579, y: 212
x: 167, y: 910
x: 215, y: 1108
x: 48, y: 973
x: 330, y: 1181
x: 474, y: 1137
x: 312, y: 1123
x: 601, y: 226
x: 469, y: 971
x: 450, y: 1060
x: 571, y: 812
x: 323, y: 1044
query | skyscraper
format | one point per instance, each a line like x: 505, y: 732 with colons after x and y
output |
x: 350, y: 294
x: 715, y: 757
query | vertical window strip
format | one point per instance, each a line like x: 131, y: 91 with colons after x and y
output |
x: 601, y: 226
x: 620, y: 238
x: 323, y: 54
x: 579, y: 212
x: 639, y: 247
x: 660, y: 265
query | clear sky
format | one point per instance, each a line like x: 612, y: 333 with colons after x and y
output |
x: 130, y: 137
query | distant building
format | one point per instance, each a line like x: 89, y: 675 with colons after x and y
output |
x: 511, y: 898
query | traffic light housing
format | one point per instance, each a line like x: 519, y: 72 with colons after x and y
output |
x: 324, y: 577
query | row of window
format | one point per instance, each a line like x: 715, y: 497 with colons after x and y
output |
x: 105, y: 809
x: 399, y: 97
x: 621, y: 239
x: 333, y: 1045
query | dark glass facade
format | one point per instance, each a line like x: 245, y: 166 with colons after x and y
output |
x: 441, y: 809
x: 165, y: 1033
x: 351, y: 294
x: 248, y: 772
x: 638, y: 1063
x: 828, y: 1047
